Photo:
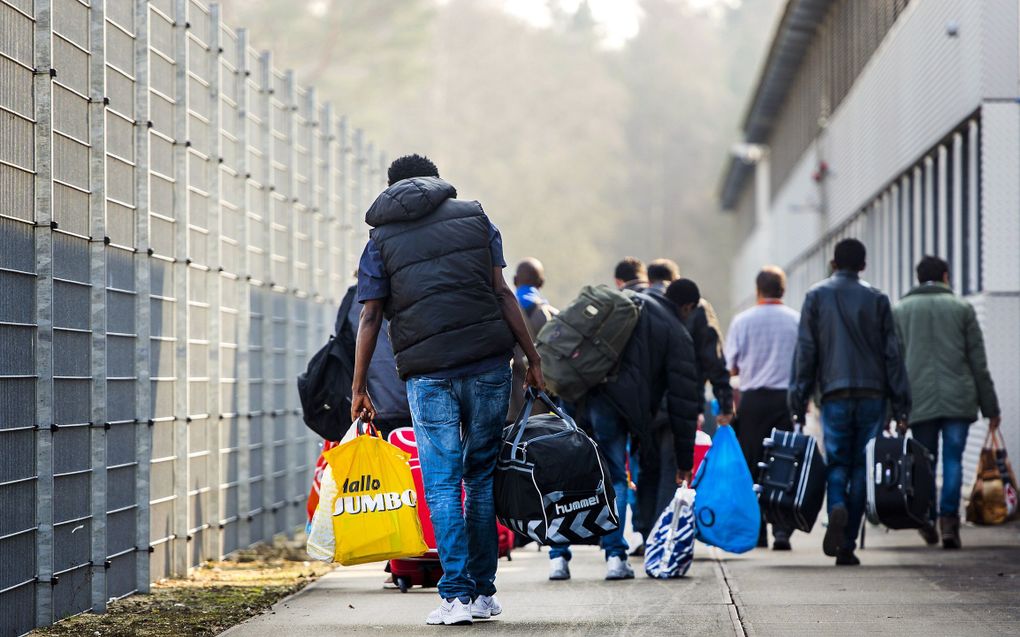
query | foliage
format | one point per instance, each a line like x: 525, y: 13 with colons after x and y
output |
x: 581, y: 154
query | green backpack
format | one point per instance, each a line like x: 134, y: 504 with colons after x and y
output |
x: 582, y: 345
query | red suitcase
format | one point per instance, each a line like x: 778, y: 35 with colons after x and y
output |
x: 426, y: 570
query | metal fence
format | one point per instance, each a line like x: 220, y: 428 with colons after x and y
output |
x: 177, y: 223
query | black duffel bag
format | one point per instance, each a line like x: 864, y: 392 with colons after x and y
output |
x: 551, y: 481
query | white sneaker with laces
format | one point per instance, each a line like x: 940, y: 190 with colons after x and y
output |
x: 451, y: 612
x: 559, y: 568
x: 485, y: 606
x: 618, y: 568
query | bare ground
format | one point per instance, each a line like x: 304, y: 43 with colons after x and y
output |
x: 215, y: 596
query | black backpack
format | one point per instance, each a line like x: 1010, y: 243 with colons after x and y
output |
x: 325, y: 387
x: 551, y: 482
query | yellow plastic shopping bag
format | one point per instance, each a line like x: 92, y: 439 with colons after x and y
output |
x: 374, y: 511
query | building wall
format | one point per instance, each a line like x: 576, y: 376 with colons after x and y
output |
x: 176, y: 229
x: 923, y: 158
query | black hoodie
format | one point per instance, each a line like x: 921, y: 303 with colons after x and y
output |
x: 442, y: 308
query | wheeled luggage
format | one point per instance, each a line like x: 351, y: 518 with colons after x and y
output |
x: 900, y: 482
x: 791, y: 480
x: 551, y: 480
x: 425, y: 571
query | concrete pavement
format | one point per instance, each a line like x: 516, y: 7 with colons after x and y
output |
x: 903, y: 588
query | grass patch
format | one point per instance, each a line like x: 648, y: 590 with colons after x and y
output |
x: 216, y: 596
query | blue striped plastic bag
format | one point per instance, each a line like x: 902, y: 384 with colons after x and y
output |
x: 670, y: 547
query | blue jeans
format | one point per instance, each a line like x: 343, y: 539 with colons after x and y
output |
x: 849, y: 424
x: 458, y: 424
x: 611, y: 435
x: 954, y: 439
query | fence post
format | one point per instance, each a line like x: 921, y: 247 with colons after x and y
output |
x: 214, y: 516
x: 97, y: 266
x: 181, y: 521
x: 143, y: 315
x: 43, y: 89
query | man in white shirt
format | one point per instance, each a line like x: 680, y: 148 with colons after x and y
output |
x: 759, y: 348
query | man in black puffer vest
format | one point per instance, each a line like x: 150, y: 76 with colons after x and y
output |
x: 433, y: 266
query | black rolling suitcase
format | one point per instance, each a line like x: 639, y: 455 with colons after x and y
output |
x: 900, y: 479
x: 791, y: 482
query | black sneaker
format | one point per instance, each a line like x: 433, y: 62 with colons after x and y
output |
x: 930, y: 534
x: 781, y: 544
x: 846, y: 557
x: 834, y: 534
x: 638, y: 552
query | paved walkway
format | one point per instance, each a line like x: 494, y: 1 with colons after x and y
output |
x: 903, y: 588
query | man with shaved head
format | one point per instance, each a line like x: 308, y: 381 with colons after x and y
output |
x: 528, y: 281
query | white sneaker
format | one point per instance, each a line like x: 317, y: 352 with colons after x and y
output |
x: 559, y: 568
x: 485, y: 606
x: 618, y: 568
x: 451, y: 612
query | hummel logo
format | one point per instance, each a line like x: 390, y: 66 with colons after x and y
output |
x: 562, y: 509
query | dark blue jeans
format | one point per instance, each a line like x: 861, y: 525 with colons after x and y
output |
x: 849, y: 424
x: 611, y: 435
x: 458, y: 424
x: 954, y: 439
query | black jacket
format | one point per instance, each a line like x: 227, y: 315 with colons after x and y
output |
x: 847, y: 342
x: 442, y: 308
x: 389, y: 393
x: 658, y: 362
x: 704, y: 329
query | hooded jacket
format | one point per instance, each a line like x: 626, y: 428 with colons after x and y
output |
x: 442, y: 308
x: 944, y: 351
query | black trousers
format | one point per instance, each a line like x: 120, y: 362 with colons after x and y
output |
x: 760, y: 410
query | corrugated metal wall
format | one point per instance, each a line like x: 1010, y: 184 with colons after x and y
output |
x: 177, y: 223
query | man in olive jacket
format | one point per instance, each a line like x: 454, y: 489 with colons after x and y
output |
x: 949, y: 380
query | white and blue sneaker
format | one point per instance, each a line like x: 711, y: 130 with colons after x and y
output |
x: 451, y: 612
x: 559, y: 568
x: 485, y: 607
x: 618, y: 568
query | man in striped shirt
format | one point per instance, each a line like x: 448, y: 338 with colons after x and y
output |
x: 759, y: 348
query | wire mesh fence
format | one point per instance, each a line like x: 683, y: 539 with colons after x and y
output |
x: 177, y: 224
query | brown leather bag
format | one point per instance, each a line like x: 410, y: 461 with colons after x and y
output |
x: 993, y: 500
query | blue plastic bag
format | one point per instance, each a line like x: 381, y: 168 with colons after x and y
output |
x: 726, y: 508
x: 670, y: 547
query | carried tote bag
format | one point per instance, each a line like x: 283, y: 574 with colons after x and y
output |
x: 726, y: 507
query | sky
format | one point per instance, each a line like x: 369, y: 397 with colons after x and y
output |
x: 619, y: 19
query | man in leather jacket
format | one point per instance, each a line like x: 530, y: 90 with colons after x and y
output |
x: 848, y: 351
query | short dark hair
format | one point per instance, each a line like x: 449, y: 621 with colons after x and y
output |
x: 630, y: 269
x: 771, y: 282
x: 850, y: 254
x: 408, y: 166
x: 683, y: 292
x: 932, y: 268
x: 663, y: 270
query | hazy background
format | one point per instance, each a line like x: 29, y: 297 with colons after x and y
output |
x: 589, y: 130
